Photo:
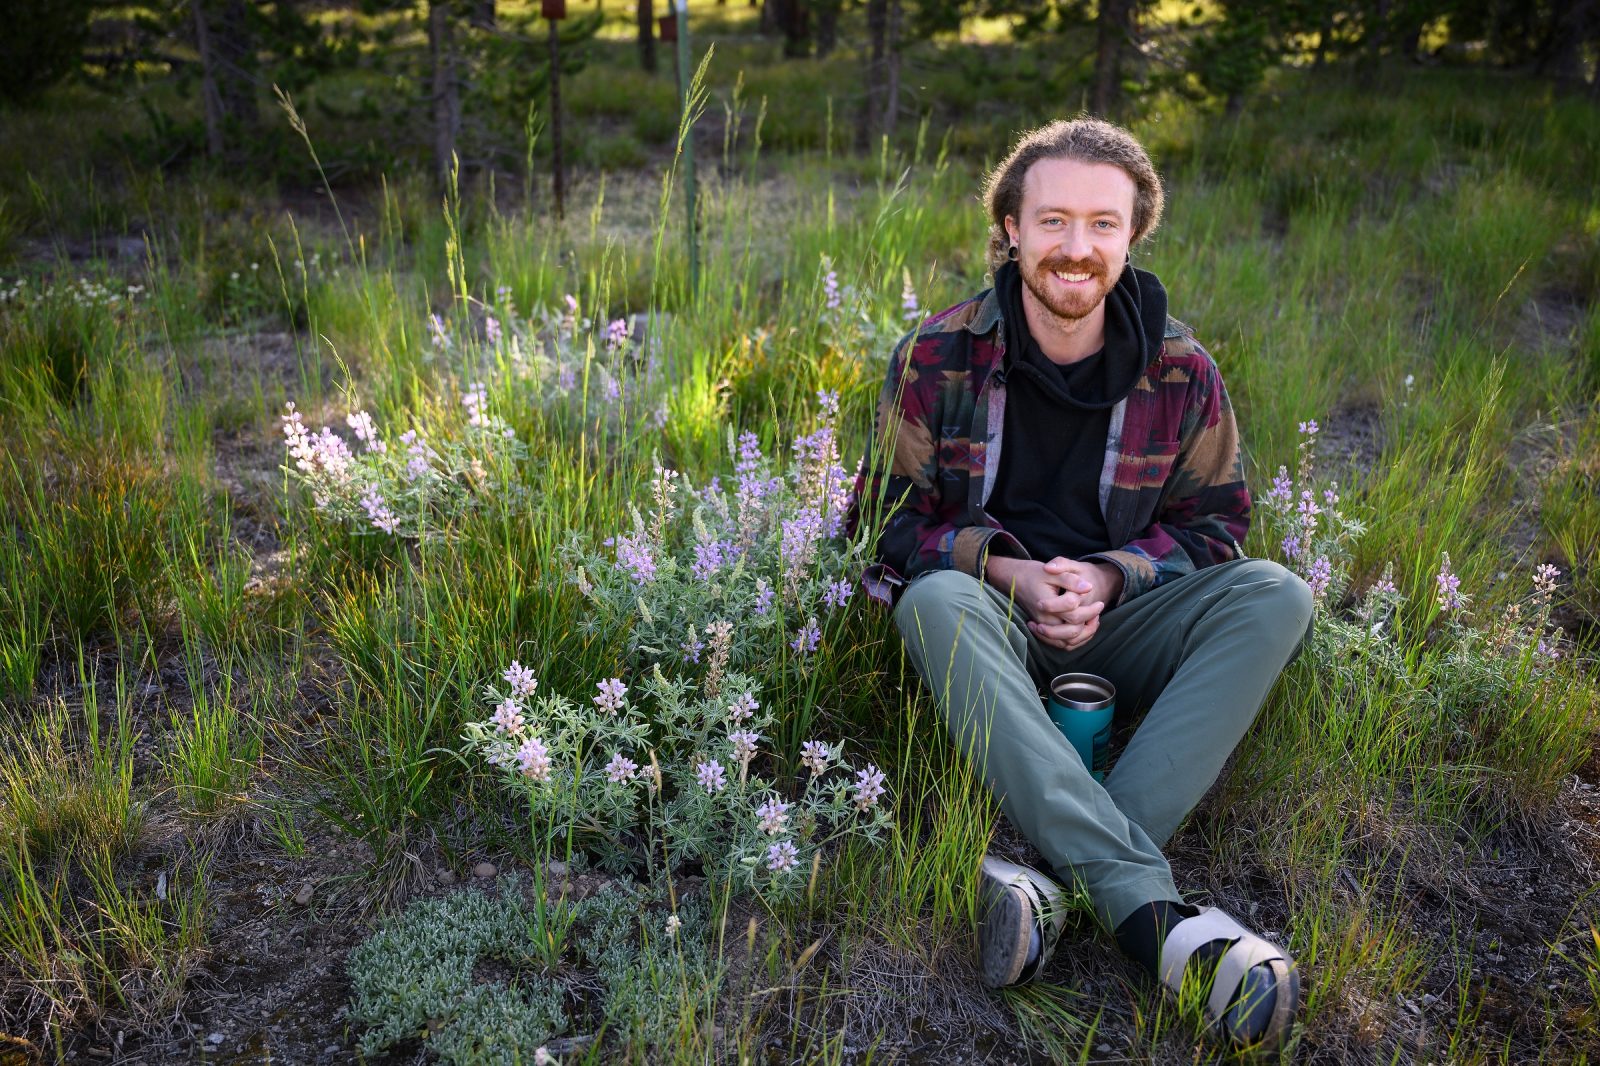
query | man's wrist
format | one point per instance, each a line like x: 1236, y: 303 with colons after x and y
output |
x: 1111, y: 574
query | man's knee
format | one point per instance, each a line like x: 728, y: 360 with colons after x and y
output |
x: 1283, y: 601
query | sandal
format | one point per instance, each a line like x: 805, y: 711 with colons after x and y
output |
x: 1255, y: 992
x: 1016, y: 905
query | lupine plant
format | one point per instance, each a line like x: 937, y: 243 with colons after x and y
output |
x: 559, y: 359
x: 762, y: 549
x: 655, y: 779
x: 407, y: 485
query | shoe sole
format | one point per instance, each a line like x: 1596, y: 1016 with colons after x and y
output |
x: 1005, y: 930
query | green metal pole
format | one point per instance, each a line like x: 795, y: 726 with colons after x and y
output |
x: 681, y: 8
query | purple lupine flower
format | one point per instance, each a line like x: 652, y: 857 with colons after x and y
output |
x: 869, y: 786
x: 633, y: 554
x: 491, y: 331
x: 806, y: 639
x: 1547, y: 652
x: 744, y: 744
x: 712, y: 777
x: 616, y: 334
x: 533, y: 759
x: 366, y: 432
x: 829, y: 399
x: 1320, y: 576
x: 708, y: 559
x: 838, y: 593
x: 800, y: 536
x: 1385, y: 587
x: 612, y: 389
x: 439, y: 332
x: 621, y: 769
x: 774, y: 815
x: 830, y: 291
x: 378, y: 512
x: 815, y: 754
x: 782, y: 857
x: 742, y: 708
x: 566, y: 379
x: 691, y: 649
x: 1309, y: 428
x: 749, y: 446
x: 909, y: 308
x: 520, y: 678
x: 1282, y: 490
x: 1291, y: 546
x: 613, y: 695
x: 476, y: 401
x: 1448, y: 596
x: 763, y: 596
x: 508, y: 717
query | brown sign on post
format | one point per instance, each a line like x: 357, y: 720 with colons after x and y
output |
x: 553, y: 9
x: 669, y: 27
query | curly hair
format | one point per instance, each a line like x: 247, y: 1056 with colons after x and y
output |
x: 1087, y: 140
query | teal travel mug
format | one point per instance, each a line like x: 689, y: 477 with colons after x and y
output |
x: 1081, y: 706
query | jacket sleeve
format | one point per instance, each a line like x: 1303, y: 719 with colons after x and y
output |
x: 900, y: 487
x: 1204, y: 510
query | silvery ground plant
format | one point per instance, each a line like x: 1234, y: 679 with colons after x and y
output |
x: 667, y: 774
x: 753, y: 564
x: 411, y: 484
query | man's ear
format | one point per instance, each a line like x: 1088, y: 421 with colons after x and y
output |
x: 1011, y: 228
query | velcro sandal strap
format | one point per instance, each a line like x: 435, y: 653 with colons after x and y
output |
x: 1247, y: 952
x: 1188, y: 935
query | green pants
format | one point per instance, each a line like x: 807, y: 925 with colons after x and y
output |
x: 1198, y: 655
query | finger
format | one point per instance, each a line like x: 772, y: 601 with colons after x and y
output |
x: 1061, y: 604
x: 1084, y: 613
x: 1066, y: 632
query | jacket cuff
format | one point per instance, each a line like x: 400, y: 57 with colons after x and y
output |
x: 972, y: 546
x: 1138, y: 575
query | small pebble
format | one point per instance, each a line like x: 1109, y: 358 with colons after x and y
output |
x: 1429, y: 999
x: 557, y: 868
x: 1102, y: 1049
x: 307, y: 890
x: 445, y: 877
x: 331, y: 1049
x: 483, y: 870
x: 215, y: 1038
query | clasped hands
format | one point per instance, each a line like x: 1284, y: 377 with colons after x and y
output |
x: 1063, y: 597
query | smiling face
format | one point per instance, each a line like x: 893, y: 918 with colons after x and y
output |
x: 1072, y: 232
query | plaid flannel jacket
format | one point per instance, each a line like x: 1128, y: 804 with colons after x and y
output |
x: 1172, y: 487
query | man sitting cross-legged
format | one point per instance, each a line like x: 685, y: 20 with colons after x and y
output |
x: 1065, y: 493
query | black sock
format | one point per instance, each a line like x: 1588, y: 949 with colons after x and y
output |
x: 1141, y: 933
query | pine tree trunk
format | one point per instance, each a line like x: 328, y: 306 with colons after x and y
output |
x: 483, y: 14
x: 1563, y: 58
x: 228, y: 75
x: 872, y: 102
x: 891, y: 94
x: 1114, y: 29
x: 827, y: 27
x: 646, y: 15
x: 446, y: 95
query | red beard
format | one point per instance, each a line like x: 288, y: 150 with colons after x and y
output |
x: 1081, y: 299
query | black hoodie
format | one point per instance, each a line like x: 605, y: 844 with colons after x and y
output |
x: 1047, y: 490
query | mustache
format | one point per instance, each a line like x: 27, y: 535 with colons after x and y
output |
x: 1061, y: 264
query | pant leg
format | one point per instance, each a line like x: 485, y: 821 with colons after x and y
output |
x: 1202, y: 653
x: 974, y: 656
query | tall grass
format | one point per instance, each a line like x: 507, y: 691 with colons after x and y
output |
x: 1373, y: 272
